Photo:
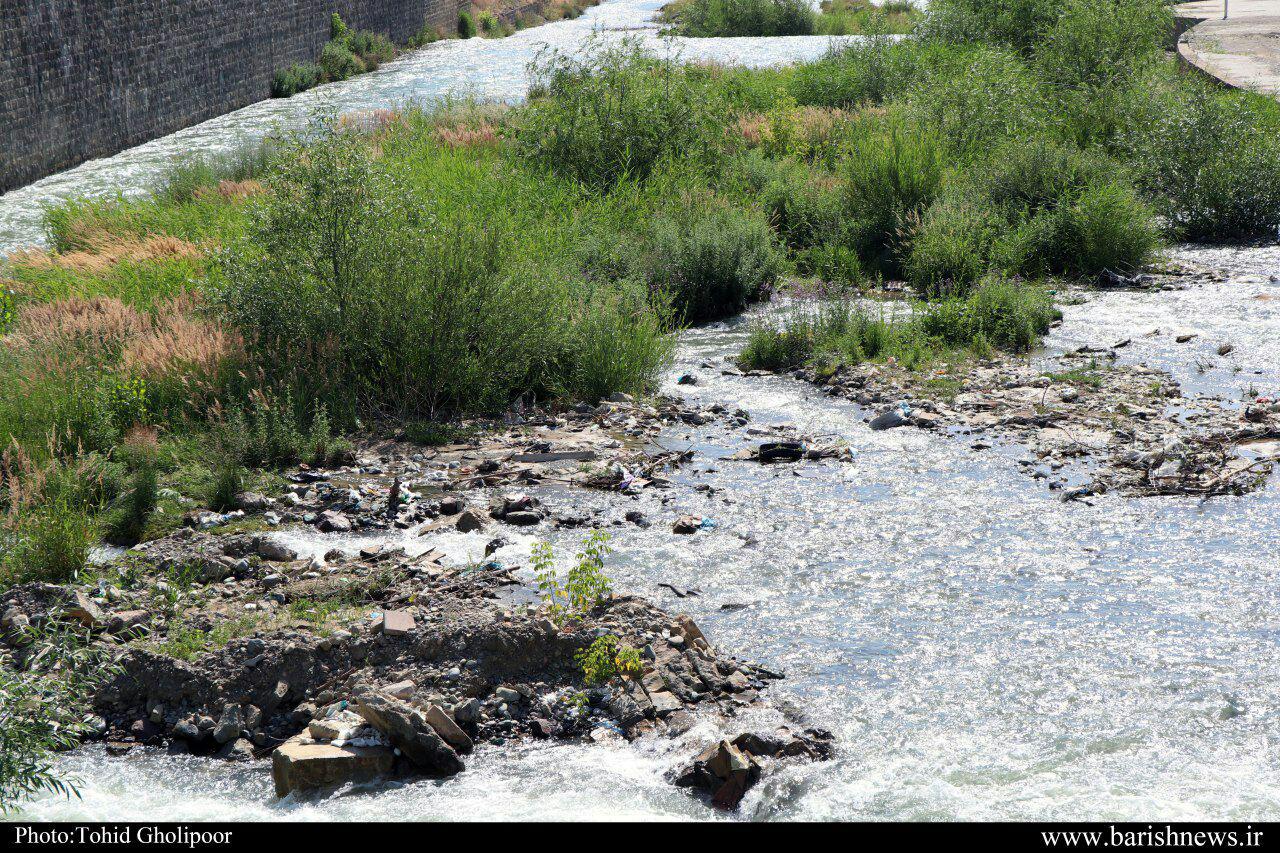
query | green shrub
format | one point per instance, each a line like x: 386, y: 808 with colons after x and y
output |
x: 951, y: 248
x: 1209, y: 160
x: 608, y: 658
x: 615, y: 112
x: 711, y: 264
x: 45, y: 696
x: 1016, y: 23
x: 719, y: 18
x: 298, y: 77
x: 339, y: 62
x: 127, y: 522
x: 466, y: 25
x: 338, y: 30
x: 974, y: 98
x: 777, y: 347
x: 804, y: 212
x: 475, y: 307
x: 1096, y: 43
x: 49, y: 542
x: 1032, y: 207
x: 1007, y: 315
x: 995, y: 314
x: 890, y: 178
x: 228, y: 481
x: 186, y: 176
x: 583, y: 587
x: 872, y: 69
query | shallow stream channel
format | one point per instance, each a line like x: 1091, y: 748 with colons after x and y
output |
x: 980, y: 648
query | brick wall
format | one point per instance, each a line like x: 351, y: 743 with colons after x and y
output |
x: 87, y: 78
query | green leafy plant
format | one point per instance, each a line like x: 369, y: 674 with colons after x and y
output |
x: 607, y: 658
x: 583, y: 587
x: 44, y: 697
x: 466, y: 25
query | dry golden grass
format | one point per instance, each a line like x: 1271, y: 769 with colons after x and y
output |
x: 232, y: 191
x: 176, y: 341
x: 105, y: 250
x: 180, y: 341
x: 467, y: 136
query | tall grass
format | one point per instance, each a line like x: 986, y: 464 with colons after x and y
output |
x: 998, y: 315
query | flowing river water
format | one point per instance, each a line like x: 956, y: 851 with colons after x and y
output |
x: 981, y: 649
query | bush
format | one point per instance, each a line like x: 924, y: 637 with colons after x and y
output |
x: 466, y: 25
x: 1096, y: 43
x: 617, y: 111
x: 127, y: 523
x: 298, y: 77
x: 890, y: 178
x: 608, y: 658
x: 1015, y: 23
x: 872, y: 69
x: 339, y: 62
x: 951, y: 247
x: 44, y: 697
x: 1009, y: 316
x: 187, y: 177
x: 1209, y: 160
x: 47, y: 542
x: 996, y: 314
x: 711, y: 264
x: 974, y: 98
x: 474, y: 308
x: 708, y: 18
x: 1033, y: 207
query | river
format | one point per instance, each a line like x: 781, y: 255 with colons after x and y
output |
x: 981, y: 649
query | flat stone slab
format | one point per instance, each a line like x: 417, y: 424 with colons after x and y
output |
x: 397, y: 623
x: 300, y: 765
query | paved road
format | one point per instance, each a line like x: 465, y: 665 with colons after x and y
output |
x: 1242, y: 51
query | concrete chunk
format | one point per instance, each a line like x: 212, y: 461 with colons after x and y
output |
x: 300, y: 766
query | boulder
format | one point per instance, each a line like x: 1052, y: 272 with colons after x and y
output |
x: 83, y: 610
x: 400, y: 690
x: 468, y: 521
x: 448, y: 730
x: 253, y: 501
x: 723, y: 771
x: 341, y: 726
x: 299, y: 765
x: 127, y: 621
x: 230, y: 724
x: 522, y: 518
x: 889, y: 419
x: 408, y: 730
x: 687, y: 524
x: 238, y: 750
x: 397, y: 623
x: 276, y: 551
x: 334, y: 522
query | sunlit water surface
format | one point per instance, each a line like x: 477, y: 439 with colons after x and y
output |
x: 982, y: 650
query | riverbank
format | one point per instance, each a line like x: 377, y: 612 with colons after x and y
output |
x: 190, y: 353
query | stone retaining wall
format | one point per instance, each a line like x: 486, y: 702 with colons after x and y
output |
x: 83, y: 78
